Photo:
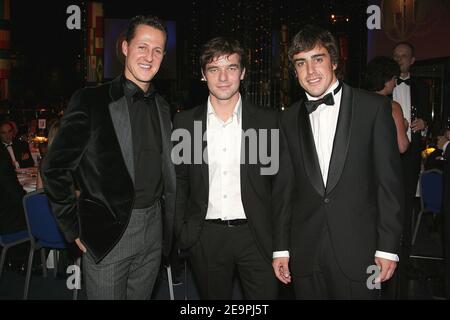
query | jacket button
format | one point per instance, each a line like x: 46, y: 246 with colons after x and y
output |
x: 326, y: 200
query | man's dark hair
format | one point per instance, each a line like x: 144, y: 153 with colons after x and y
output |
x: 220, y: 46
x: 409, y: 45
x: 380, y: 70
x: 311, y: 36
x: 151, y: 21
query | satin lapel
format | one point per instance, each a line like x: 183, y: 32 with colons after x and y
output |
x: 121, y: 120
x: 308, y: 150
x: 341, y: 138
x: 200, y: 115
x: 166, y: 131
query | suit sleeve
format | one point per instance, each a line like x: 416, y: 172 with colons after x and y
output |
x: 61, y: 162
x: 390, y: 193
x: 183, y: 188
x: 282, y: 189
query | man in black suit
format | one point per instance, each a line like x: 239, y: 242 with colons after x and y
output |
x: 12, y: 217
x: 412, y: 95
x: 19, y: 150
x: 347, y: 201
x: 443, y: 144
x: 226, y: 201
x: 114, y: 145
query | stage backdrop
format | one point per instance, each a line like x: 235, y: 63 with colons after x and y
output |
x: 424, y: 23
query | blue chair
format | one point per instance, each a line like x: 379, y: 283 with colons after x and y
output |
x: 10, y: 240
x: 43, y: 232
x: 431, y: 184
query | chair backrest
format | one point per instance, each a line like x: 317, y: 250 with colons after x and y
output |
x: 40, y: 220
x: 431, y: 189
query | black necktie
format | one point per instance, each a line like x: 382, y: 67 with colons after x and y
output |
x: 311, y: 105
x: 406, y: 81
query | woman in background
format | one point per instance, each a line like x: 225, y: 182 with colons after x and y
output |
x: 51, y: 135
x: 381, y: 76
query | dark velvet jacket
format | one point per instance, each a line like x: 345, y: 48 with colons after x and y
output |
x: 93, y: 150
x: 362, y: 202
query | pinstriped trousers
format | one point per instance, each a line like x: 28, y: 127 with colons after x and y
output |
x: 129, y: 271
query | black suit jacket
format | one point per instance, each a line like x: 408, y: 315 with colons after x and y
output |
x: 263, y: 196
x: 362, y: 201
x: 21, y: 149
x: 12, y: 217
x: 93, y: 148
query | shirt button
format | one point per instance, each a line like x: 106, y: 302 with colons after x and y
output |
x: 224, y: 196
x: 326, y: 200
x: 224, y: 149
x: 224, y: 173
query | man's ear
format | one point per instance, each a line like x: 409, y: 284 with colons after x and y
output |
x: 334, y: 66
x: 203, y: 76
x: 243, y: 74
x: 125, y: 47
x: 413, y: 59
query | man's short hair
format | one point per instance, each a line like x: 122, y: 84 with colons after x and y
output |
x: 149, y: 20
x: 220, y: 46
x: 380, y: 70
x: 408, y: 44
x: 311, y: 36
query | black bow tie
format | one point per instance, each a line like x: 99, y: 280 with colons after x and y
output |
x: 311, y: 105
x: 406, y: 81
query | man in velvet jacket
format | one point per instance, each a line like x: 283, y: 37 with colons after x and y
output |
x: 347, y: 200
x: 114, y: 145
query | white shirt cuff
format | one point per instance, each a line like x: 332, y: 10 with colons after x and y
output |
x: 387, y: 255
x: 280, y: 254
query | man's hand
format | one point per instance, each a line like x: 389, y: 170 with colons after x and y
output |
x: 80, y: 245
x: 441, y: 141
x: 418, y: 125
x: 387, y: 268
x: 281, y: 269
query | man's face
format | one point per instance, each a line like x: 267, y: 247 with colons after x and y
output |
x: 403, y: 56
x: 314, y: 70
x: 144, y: 54
x: 6, y: 133
x: 223, y: 76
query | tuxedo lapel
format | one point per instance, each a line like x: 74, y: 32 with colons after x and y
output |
x: 166, y: 131
x: 200, y: 115
x: 308, y: 150
x: 341, y: 138
x: 121, y: 120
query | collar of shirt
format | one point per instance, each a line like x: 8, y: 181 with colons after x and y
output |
x: 131, y: 89
x: 237, y: 112
x: 7, y: 144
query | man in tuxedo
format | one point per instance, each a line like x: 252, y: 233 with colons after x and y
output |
x: 411, y: 94
x: 12, y: 216
x: 443, y: 144
x: 346, y: 210
x: 19, y: 151
x: 225, y: 202
x: 114, y: 145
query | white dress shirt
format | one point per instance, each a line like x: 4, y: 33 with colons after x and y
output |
x: 402, y: 94
x: 323, y: 125
x: 224, y: 159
